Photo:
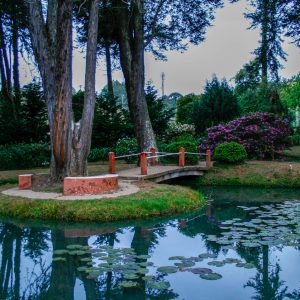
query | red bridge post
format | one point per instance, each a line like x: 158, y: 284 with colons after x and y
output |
x: 112, y: 163
x: 143, y: 162
x: 208, y: 158
x: 181, y: 157
x: 153, y: 159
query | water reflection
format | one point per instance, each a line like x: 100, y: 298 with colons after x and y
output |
x: 28, y: 272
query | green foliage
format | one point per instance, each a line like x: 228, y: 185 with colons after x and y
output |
x: 160, y: 115
x: 22, y: 156
x: 127, y: 146
x: 217, y: 105
x: 189, y: 144
x: 27, y: 124
x: 98, y: 154
x: 111, y: 122
x: 290, y: 93
x: 175, y: 130
x: 231, y: 152
x: 295, y: 139
x: 184, y: 107
x: 77, y: 104
x: 263, y: 98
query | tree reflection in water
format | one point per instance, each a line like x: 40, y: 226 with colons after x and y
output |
x: 26, y: 270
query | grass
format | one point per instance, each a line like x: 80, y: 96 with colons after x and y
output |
x: 255, y: 174
x: 154, y: 201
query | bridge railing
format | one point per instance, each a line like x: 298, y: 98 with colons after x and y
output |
x: 154, y: 155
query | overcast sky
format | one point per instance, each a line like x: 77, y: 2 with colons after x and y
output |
x: 227, y: 48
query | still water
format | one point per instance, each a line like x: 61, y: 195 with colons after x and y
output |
x: 244, y: 245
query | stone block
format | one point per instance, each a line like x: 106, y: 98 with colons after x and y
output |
x: 93, y: 185
x: 25, y: 181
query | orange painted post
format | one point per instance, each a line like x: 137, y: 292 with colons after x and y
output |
x: 181, y: 157
x: 153, y: 159
x: 143, y: 162
x: 112, y: 163
x: 208, y: 159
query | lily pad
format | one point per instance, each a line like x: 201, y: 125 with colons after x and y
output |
x: 216, y: 263
x: 199, y: 271
x: 60, y: 252
x: 128, y: 284
x: 74, y: 247
x: 211, y: 276
x: 58, y: 259
x: 167, y: 269
x: 131, y: 276
x: 162, y: 285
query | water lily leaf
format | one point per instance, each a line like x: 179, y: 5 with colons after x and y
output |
x: 176, y: 258
x: 74, y: 247
x: 167, y: 269
x: 60, y: 252
x: 207, y: 255
x: 211, y: 276
x: 199, y: 271
x: 131, y: 276
x: 185, y: 264
x: 77, y: 252
x: 86, y: 259
x: 143, y: 256
x: 162, y: 285
x: 146, y: 264
x: 58, y: 259
x: 148, y: 278
x: 142, y: 271
x: 216, y: 263
x: 128, y: 284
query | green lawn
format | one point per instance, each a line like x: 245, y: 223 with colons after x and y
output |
x: 255, y: 173
x: 151, y: 201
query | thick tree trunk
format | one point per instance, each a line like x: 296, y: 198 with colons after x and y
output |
x: 110, y: 86
x: 83, y: 134
x: 16, y: 74
x: 132, y: 63
x: 53, y: 53
x: 264, y: 41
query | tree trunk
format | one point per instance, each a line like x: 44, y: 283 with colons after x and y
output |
x: 16, y: 74
x: 83, y: 134
x: 53, y: 53
x: 264, y: 41
x: 110, y: 86
x: 132, y: 63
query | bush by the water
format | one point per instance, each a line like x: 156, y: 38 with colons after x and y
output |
x: 188, y: 143
x: 97, y: 154
x: 22, y: 156
x: 261, y: 134
x: 231, y: 152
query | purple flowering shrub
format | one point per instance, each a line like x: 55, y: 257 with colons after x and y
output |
x: 262, y: 134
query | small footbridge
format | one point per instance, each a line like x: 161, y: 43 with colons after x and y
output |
x: 152, y: 166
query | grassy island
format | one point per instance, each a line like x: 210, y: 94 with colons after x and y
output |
x: 151, y: 201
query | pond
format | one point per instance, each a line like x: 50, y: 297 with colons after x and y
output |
x: 245, y: 244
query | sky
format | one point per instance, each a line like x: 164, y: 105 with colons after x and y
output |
x: 227, y: 48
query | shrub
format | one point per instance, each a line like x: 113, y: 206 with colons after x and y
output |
x: 189, y: 145
x: 126, y: 146
x: 97, y: 154
x: 261, y: 134
x: 231, y: 152
x: 295, y: 139
x: 22, y: 156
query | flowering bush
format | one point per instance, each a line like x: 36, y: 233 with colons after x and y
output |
x: 176, y: 130
x: 261, y: 134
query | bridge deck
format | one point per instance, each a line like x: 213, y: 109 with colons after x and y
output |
x: 163, y: 172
